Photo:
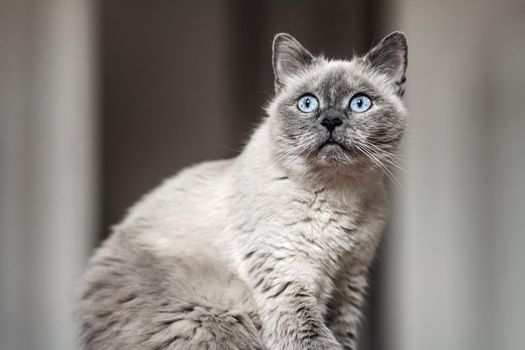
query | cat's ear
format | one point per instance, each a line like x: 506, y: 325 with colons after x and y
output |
x: 289, y: 58
x: 389, y: 57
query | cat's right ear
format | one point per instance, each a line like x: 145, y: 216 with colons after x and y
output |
x: 289, y: 58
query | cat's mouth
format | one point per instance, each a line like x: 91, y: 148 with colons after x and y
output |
x: 331, y: 142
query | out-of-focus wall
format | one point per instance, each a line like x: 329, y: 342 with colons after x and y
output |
x: 47, y: 168
x: 455, y: 267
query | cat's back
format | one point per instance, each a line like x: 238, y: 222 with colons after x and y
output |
x: 188, y: 206
x: 197, y: 184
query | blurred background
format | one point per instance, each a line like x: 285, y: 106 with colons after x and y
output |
x: 100, y: 100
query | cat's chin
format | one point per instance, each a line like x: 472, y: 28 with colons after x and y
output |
x: 336, y: 156
x: 333, y: 151
x: 333, y: 154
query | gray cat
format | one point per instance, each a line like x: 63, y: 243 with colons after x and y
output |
x: 269, y: 250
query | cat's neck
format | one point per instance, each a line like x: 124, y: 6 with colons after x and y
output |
x: 258, y: 164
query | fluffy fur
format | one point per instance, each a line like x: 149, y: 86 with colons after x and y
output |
x: 269, y: 250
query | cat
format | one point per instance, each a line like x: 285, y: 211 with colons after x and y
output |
x: 269, y: 250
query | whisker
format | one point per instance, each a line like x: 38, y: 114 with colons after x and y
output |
x: 376, y: 161
x: 384, y: 155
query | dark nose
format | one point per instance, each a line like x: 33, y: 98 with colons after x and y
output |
x: 332, y: 119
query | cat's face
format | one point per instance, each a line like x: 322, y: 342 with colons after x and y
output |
x: 338, y: 114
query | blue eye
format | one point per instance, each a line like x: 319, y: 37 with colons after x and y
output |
x: 360, y: 103
x: 308, y: 104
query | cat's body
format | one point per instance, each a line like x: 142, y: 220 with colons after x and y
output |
x: 268, y: 250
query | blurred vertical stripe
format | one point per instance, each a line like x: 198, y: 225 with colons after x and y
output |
x: 48, y: 167
x: 455, y: 267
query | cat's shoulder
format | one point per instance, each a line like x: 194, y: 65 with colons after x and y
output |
x: 193, y: 178
x: 190, y: 186
x: 203, y: 171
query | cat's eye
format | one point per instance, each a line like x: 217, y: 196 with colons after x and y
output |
x: 360, y: 103
x: 308, y: 104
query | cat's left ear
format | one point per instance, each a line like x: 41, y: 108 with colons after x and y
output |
x: 389, y: 57
x: 289, y: 58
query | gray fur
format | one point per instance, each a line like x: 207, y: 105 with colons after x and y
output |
x: 269, y: 250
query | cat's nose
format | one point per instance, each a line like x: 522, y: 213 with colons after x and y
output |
x: 332, y: 119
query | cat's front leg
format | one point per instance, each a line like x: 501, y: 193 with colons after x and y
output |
x: 293, y: 321
x: 346, y: 309
x: 289, y: 311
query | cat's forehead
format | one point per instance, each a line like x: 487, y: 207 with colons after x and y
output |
x: 337, y: 79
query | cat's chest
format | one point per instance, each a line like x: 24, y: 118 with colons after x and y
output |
x: 332, y: 238
x: 330, y: 229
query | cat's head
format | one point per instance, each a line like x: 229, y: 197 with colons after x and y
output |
x: 337, y: 114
